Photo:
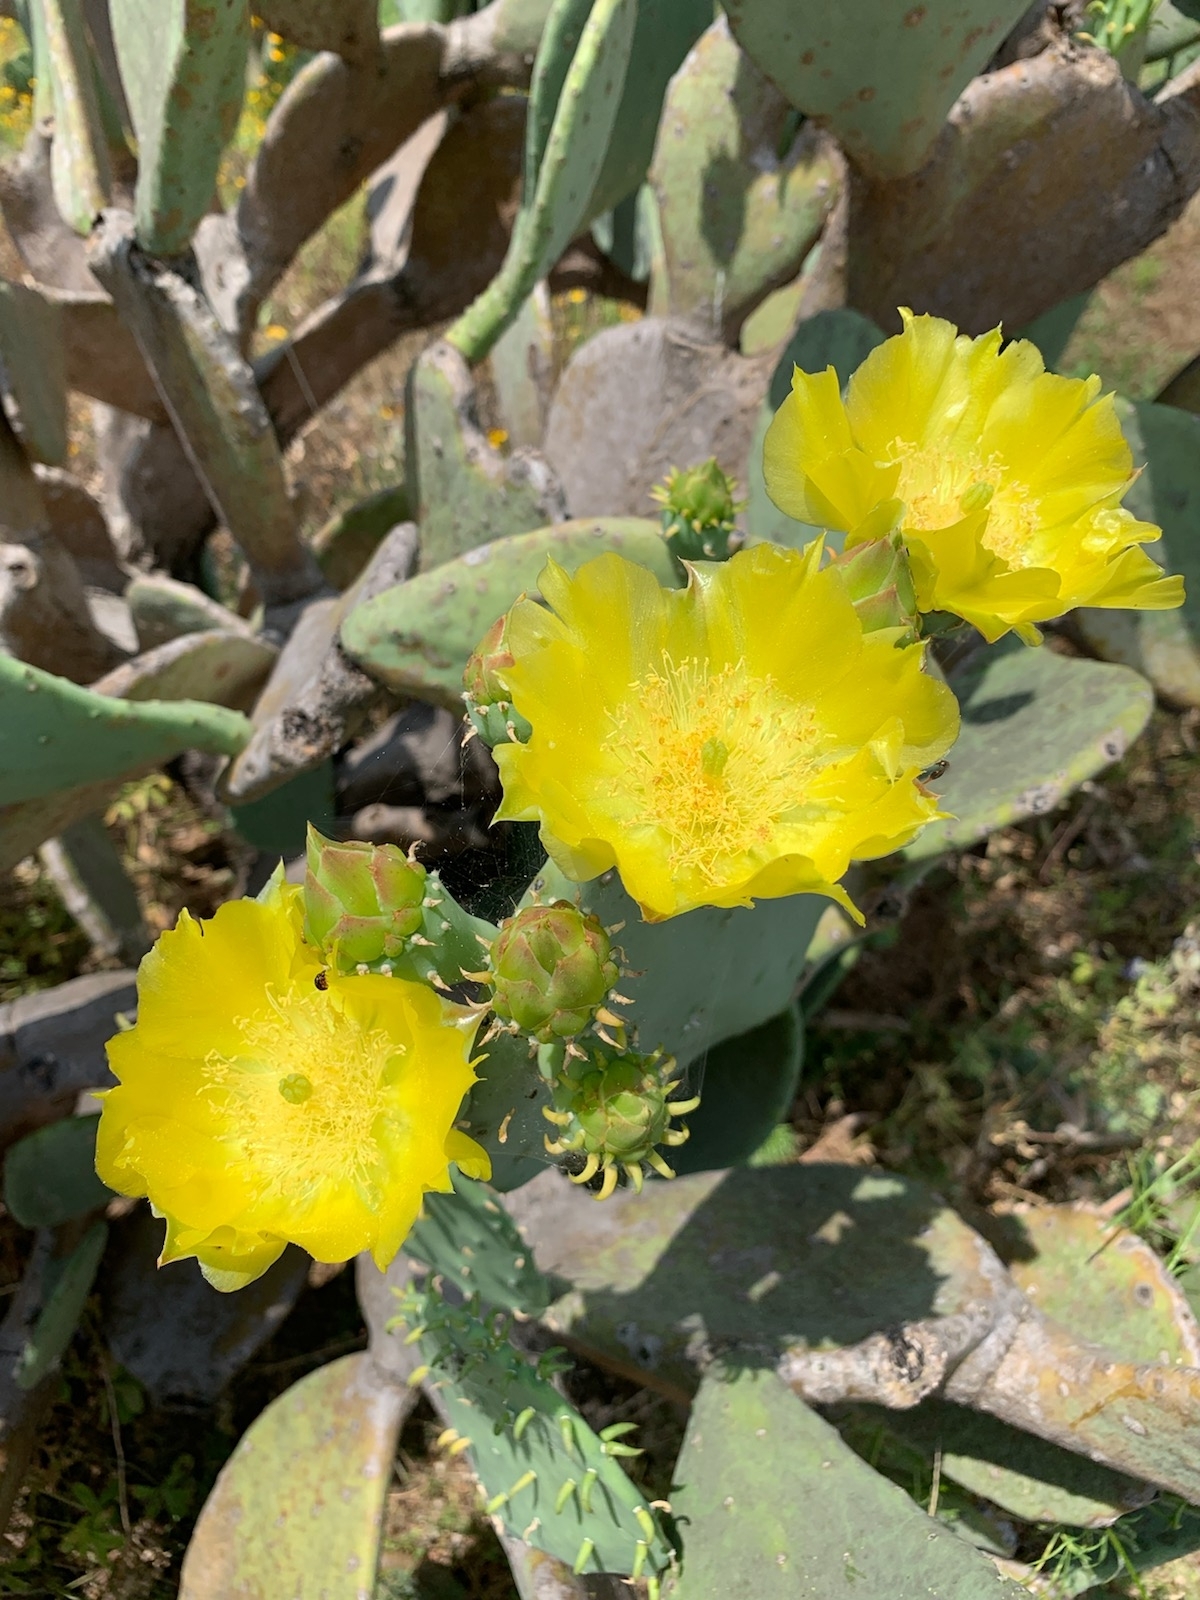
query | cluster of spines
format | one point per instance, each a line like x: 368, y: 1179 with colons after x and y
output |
x: 467, y: 1343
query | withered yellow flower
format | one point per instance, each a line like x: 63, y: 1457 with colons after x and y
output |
x: 1009, y: 478
x: 255, y: 1108
x: 739, y: 738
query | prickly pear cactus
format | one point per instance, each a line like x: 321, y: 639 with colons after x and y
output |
x: 541, y: 1469
x: 183, y: 66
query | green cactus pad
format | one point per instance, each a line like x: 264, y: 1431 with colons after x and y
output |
x: 882, y: 77
x: 574, y: 100
x: 345, y: 543
x: 59, y: 736
x: 846, y: 1534
x: 541, y: 1469
x: 742, y: 192
x: 50, y: 1175
x: 1025, y: 1477
x: 464, y: 491
x: 69, y: 1284
x: 79, y: 155
x: 1164, y: 645
x: 35, y: 378
x: 1035, y: 725
x: 1102, y: 1282
x: 219, y: 666
x: 746, y: 1086
x: 469, y: 1238
x: 416, y: 639
x: 837, y: 339
x: 663, y: 34
x: 183, y: 68
x: 302, y: 1496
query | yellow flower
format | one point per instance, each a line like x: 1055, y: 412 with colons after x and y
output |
x: 741, y: 737
x: 1008, y: 478
x: 255, y: 1108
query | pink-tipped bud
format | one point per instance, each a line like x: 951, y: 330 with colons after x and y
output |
x: 362, y: 902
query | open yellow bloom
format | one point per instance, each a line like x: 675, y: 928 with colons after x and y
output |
x: 254, y: 1108
x: 741, y: 737
x: 1009, y: 478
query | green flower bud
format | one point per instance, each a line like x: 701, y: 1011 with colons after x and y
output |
x: 489, y: 709
x: 612, y: 1112
x: 551, y: 969
x: 698, y: 513
x: 362, y: 902
x: 879, y: 578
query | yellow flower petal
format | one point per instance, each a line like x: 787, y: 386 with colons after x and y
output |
x: 255, y: 1109
x: 1010, y: 476
x: 751, y: 739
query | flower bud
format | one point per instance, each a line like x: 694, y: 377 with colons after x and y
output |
x: 551, y: 968
x: 362, y: 902
x: 489, y: 709
x: 613, y: 1110
x: 698, y: 512
x: 879, y: 581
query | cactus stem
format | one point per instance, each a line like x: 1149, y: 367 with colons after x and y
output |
x: 564, y: 1494
x: 585, y: 1490
x: 523, y: 1421
x: 659, y: 1165
x: 584, y: 1556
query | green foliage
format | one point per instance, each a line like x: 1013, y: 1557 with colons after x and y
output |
x: 576, y: 86
x: 741, y: 189
x: 746, y: 1086
x: 1035, y: 725
x: 67, y: 743
x: 50, y: 1175
x: 417, y: 639
x: 1164, y: 645
x: 541, y: 1469
x: 68, y: 1284
x: 745, y: 1522
x: 883, y: 78
x: 183, y: 67
x: 469, y: 1239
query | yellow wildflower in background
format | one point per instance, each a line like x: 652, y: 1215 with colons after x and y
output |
x: 255, y: 1108
x: 1009, y: 478
x: 739, y: 738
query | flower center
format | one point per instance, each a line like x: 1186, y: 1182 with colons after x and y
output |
x: 939, y: 487
x: 714, y: 760
x: 309, y: 1088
